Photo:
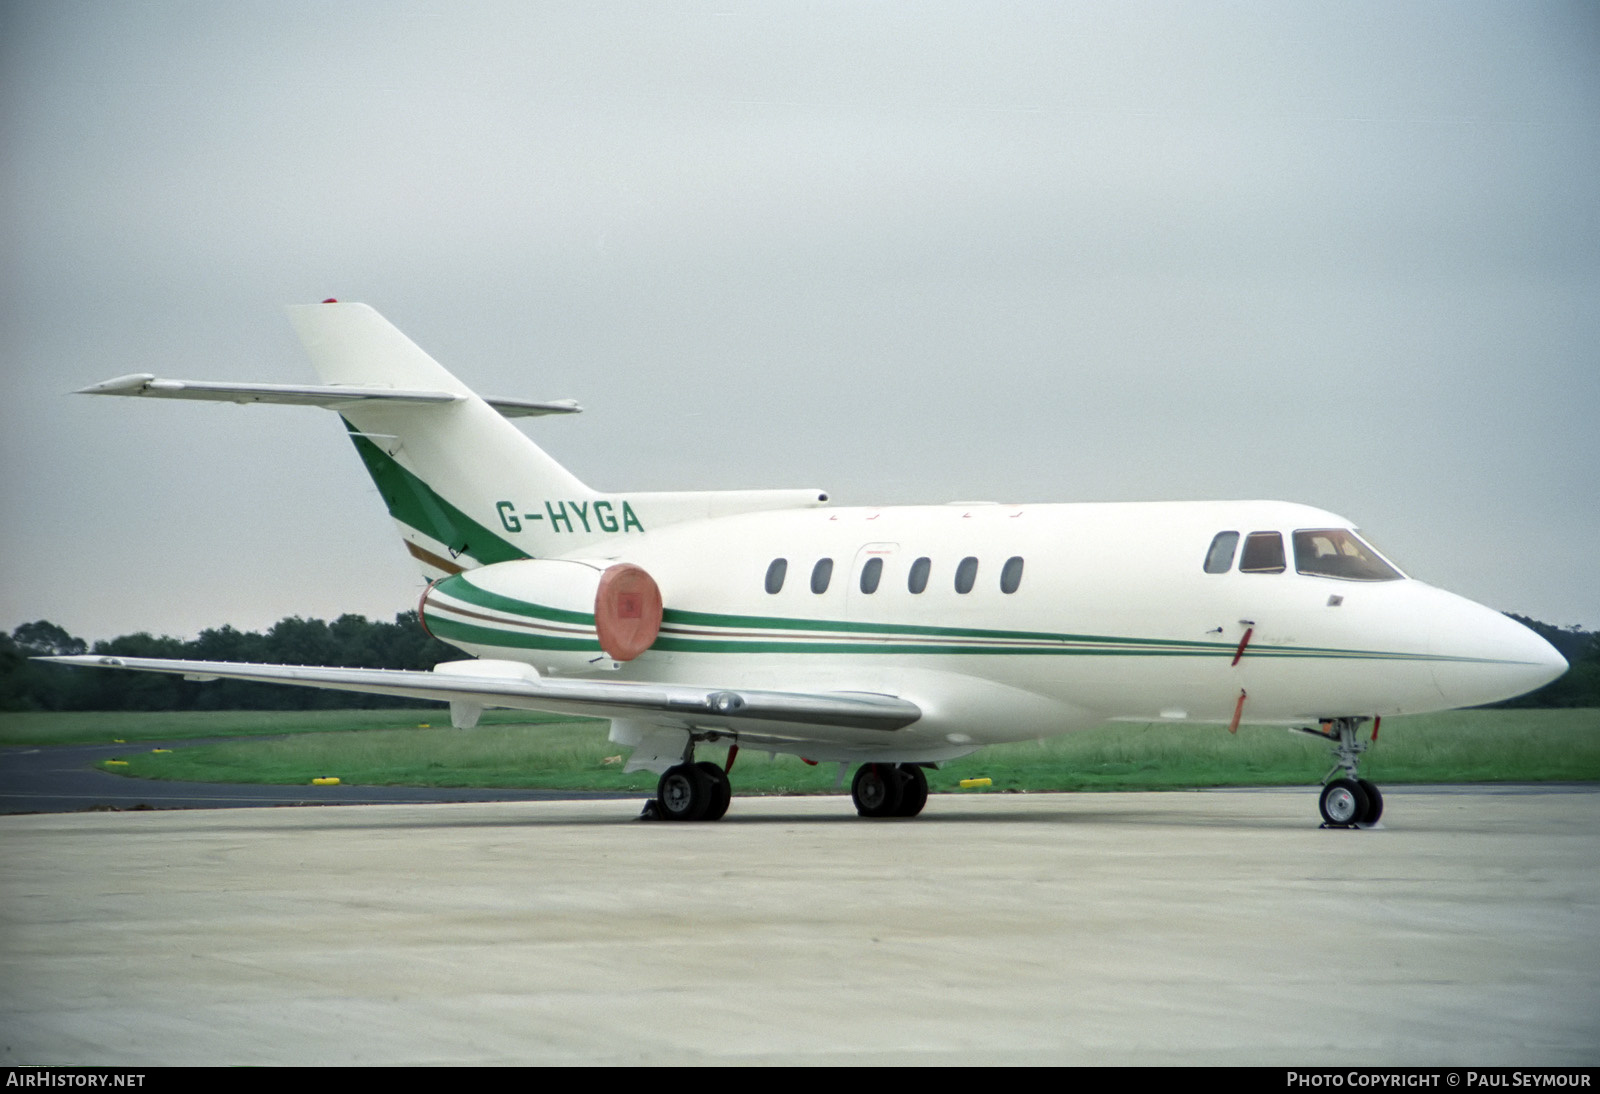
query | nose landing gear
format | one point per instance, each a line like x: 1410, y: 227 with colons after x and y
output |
x: 1348, y: 801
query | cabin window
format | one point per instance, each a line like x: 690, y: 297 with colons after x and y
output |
x: 821, y: 574
x: 871, y: 574
x: 1219, y: 560
x: 966, y: 574
x: 775, y: 574
x: 1263, y: 554
x: 1338, y: 552
x: 917, y: 581
x: 1011, y: 575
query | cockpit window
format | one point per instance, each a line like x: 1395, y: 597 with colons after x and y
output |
x: 1220, y: 558
x: 1263, y: 554
x: 1339, y: 552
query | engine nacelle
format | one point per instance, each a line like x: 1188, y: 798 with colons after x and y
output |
x: 519, y: 608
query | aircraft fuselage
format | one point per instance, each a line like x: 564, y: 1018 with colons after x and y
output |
x: 1110, y: 615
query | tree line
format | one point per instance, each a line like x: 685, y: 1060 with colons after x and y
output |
x: 352, y: 641
x: 1580, y: 685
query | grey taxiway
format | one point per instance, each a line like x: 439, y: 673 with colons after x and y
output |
x: 1211, y: 927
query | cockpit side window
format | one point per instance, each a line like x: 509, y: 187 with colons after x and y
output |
x: 1263, y: 554
x: 1339, y: 552
x: 1219, y: 560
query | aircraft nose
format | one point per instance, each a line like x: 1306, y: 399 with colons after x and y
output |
x: 1485, y: 657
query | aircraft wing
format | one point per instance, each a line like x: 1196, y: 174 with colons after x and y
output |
x: 329, y: 396
x: 757, y: 715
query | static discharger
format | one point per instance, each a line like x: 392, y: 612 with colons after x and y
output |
x: 973, y: 784
x: 326, y: 780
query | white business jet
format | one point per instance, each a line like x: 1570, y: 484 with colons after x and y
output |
x: 892, y: 638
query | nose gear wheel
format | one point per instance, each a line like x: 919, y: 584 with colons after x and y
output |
x: 1348, y: 801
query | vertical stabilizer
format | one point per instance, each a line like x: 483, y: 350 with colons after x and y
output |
x: 456, y: 475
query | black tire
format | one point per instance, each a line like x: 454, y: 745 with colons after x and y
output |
x: 913, y: 790
x: 721, y: 790
x: 684, y: 793
x: 877, y: 790
x: 1374, y: 801
x: 1343, y: 803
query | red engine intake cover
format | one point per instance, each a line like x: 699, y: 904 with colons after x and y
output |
x: 627, y: 611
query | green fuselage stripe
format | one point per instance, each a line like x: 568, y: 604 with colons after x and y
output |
x: 733, y: 634
x: 451, y: 630
x: 460, y: 587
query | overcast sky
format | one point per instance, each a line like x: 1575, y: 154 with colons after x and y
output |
x: 1346, y: 254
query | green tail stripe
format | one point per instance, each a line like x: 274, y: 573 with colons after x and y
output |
x: 413, y: 502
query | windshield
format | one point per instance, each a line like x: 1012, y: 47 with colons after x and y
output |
x: 1339, y: 552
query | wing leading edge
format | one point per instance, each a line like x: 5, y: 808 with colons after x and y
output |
x: 470, y: 687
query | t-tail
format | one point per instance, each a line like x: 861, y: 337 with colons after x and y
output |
x: 464, y: 485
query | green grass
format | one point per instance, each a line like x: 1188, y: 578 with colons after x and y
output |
x: 106, y: 727
x: 514, y: 751
x: 1455, y: 746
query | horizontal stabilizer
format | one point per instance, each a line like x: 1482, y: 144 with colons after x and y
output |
x: 328, y: 396
x: 682, y: 705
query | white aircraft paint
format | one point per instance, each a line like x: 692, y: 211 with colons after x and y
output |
x: 896, y: 637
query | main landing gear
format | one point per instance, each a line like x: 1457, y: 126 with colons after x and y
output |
x: 889, y: 790
x: 692, y: 791
x: 1348, y: 801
